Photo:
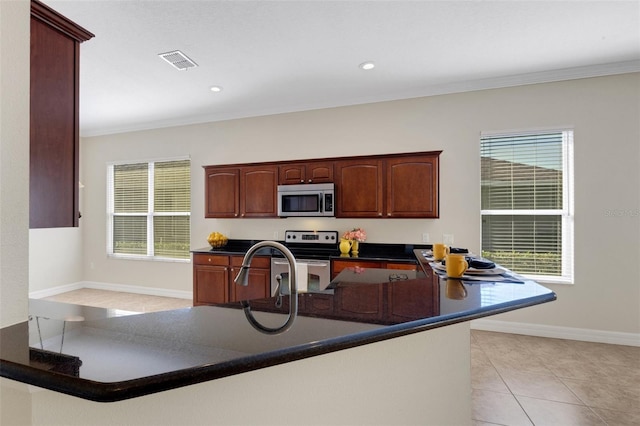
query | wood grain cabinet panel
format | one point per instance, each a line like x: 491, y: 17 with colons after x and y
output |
x: 359, y: 188
x: 300, y: 173
x: 222, y: 198
x: 213, y: 276
x: 360, y: 301
x: 412, y: 187
x: 258, y: 190
x: 54, y: 114
x: 241, y: 192
x: 381, y: 186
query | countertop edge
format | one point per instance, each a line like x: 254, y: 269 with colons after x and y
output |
x: 119, y: 391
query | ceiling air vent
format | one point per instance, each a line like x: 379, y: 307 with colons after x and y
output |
x: 178, y: 60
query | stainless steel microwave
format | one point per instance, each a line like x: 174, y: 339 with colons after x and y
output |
x: 314, y: 199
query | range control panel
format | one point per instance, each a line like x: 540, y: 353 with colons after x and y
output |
x: 311, y: 237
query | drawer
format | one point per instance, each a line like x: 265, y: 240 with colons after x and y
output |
x: 339, y: 265
x: 263, y: 262
x: 402, y: 266
x: 210, y: 259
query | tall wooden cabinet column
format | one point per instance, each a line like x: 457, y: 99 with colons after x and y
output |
x: 54, y: 154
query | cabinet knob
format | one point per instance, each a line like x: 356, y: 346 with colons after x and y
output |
x: 236, y: 215
x: 388, y: 214
x: 310, y: 180
x: 380, y: 214
x: 209, y: 259
x: 301, y: 180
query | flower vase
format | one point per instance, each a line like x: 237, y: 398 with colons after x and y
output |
x: 345, y: 246
x: 355, y: 245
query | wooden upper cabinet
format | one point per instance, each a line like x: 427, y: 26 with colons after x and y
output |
x: 222, y: 198
x: 412, y: 187
x: 258, y: 191
x: 54, y: 114
x: 241, y: 192
x: 381, y: 186
x: 359, y: 188
x: 311, y: 172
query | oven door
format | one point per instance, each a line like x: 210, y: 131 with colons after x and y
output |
x: 313, y: 275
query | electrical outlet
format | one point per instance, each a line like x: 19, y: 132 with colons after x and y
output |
x: 447, y: 239
x: 425, y: 237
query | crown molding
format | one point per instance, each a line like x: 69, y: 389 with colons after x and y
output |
x: 565, y: 74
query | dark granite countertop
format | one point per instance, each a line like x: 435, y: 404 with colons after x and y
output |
x: 368, y: 251
x: 108, y: 355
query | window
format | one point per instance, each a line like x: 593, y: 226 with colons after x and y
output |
x: 527, y: 203
x: 149, y: 209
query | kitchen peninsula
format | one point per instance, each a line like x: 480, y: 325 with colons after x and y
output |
x: 402, y: 358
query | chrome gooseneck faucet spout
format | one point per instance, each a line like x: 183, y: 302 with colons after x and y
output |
x: 243, y: 279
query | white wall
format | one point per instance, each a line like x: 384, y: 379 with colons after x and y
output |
x: 603, y: 111
x: 55, y: 258
x: 14, y: 160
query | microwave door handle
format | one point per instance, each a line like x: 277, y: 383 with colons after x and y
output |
x: 321, y: 195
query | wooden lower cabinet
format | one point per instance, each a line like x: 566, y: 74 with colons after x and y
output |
x: 213, y: 277
x: 360, y: 301
x: 385, y: 302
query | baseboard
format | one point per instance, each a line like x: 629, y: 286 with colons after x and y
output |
x: 55, y: 290
x: 570, y: 333
x: 151, y: 291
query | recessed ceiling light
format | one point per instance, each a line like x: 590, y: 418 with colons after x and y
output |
x: 216, y: 89
x: 367, y: 65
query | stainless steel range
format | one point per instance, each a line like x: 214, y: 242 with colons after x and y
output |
x: 312, y: 250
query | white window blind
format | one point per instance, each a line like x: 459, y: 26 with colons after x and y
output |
x: 149, y: 209
x: 526, y: 196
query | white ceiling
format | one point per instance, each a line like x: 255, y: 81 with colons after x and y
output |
x: 281, y: 56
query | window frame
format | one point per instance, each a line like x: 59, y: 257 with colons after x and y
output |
x: 150, y: 214
x: 566, y: 212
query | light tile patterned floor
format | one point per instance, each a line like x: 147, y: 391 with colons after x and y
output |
x: 526, y: 380
x: 516, y: 380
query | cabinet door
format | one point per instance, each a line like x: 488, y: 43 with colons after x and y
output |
x: 258, y: 288
x: 222, y: 192
x: 359, y: 302
x: 259, y: 279
x: 312, y: 172
x: 210, y: 284
x: 54, y: 135
x: 258, y: 188
x: 359, y: 188
x: 412, y: 187
x: 412, y: 299
x: 319, y: 172
x: 338, y: 265
x: 291, y: 174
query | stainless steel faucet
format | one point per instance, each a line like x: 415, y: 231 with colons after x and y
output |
x: 243, y: 279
